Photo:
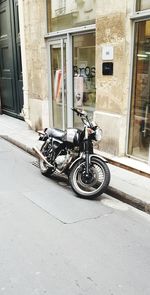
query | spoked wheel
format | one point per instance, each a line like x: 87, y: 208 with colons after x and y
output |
x: 44, y: 168
x: 92, y: 185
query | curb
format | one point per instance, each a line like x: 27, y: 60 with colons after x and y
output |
x: 111, y: 191
x: 19, y: 145
x: 128, y: 199
x: 126, y: 167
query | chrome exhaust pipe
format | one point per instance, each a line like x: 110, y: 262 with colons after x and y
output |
x: 41, y: 156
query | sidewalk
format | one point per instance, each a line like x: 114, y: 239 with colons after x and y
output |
x: 130, y: 179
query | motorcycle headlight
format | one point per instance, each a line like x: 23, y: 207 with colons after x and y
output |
x: 98, y: 134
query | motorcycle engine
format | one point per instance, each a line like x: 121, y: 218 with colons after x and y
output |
x: 61, y: 161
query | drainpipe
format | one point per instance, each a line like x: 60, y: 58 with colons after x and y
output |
x: 24, y: 62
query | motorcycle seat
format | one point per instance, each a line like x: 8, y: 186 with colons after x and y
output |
x: 54, y: 132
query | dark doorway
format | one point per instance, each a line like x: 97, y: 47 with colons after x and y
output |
x: 10, y: 59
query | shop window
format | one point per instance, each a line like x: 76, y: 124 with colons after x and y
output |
x: 140, y: 109
x: 65, y: 14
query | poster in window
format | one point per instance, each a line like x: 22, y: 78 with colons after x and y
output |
x: 78, y: 91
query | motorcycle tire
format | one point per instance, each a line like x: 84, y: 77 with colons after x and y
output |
x: 99, y: 178
x: 45, y: 170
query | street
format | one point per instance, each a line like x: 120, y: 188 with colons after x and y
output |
x: 52, y: 242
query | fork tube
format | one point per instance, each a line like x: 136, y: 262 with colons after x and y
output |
x: 86, y: 146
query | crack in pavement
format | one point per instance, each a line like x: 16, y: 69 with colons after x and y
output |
x: 68, y: 223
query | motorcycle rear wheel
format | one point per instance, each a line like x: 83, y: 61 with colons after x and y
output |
x: 99, y: 178
x: 44, y: 168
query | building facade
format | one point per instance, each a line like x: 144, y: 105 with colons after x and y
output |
x: 90, y: 54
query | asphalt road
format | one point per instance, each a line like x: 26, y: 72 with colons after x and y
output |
x: 52, y: 242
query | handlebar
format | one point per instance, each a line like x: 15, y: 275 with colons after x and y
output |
x: 83, y: 115
x: 84, y: 118
x: 79, y: 113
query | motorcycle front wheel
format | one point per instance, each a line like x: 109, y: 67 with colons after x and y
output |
x: 95, y: 184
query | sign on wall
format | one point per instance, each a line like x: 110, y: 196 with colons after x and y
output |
x: 107, y: 52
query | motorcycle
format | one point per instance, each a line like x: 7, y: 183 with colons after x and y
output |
x: 71, y: 152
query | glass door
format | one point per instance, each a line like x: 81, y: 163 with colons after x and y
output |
x: 84, y: 89
x: 72, y: 78
x: 139, y: 133
x: 58, y: 83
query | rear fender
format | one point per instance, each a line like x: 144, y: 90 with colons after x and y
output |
x: 43, y: 137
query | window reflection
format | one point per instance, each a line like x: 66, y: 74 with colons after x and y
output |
x: 84, y: 73
x: 143, y: 5
x: 64, y: 14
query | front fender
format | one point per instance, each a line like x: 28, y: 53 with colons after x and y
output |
x: 82, y: 157
x: 97, y: 156
x: 79, y: 159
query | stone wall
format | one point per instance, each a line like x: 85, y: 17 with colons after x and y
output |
x: 35, y: 22
x: 113, y: 27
